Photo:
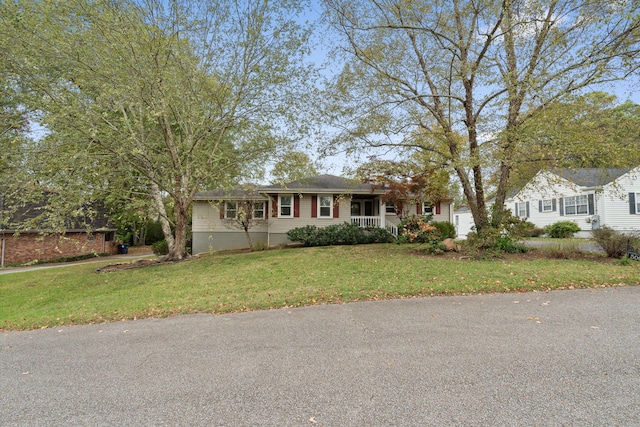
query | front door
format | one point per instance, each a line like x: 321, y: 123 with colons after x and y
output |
x: 368, y: 208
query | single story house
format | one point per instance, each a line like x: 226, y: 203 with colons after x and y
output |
x: 276, y: 209
x: 589, y: 197
x: 19, y: 245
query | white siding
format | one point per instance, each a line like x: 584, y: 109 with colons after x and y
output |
x: 206, y: 218
x: 616, y: 202
x: 547, y: 186
x: 463, y: 221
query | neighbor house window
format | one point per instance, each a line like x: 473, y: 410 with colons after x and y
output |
x: 521, y: 210
x: 325, y: 204
x: 576, y: 205
x: 637, y: 200
x: 231, y: 210
x: 286, y: 206
x: 258, y: 210
x: 547, y: 205
x: 427, y: 208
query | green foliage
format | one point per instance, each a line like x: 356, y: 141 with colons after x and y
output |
x: 445, y: 228
x: 339, y: 234
x: 385, y: 96
x: 159, y: 97
x: 292, y: 166
x: 493, y: 241
x: 613, y: 242
x: 418, y: 229
x: 160, y: 247
x: 153, y: 232
x: 562, y: 229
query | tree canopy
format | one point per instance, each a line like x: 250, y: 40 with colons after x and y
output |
x: 458, y: 80
x: 186, y: 94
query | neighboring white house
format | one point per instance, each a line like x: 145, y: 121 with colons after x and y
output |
x: 322, y: 200
x: 589, y: 197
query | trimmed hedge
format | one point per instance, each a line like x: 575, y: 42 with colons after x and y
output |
x: 339, y: 234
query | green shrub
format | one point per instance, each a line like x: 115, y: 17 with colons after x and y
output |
x: 494, y: 241
x: 445, y: 228
x: 536, y: 232
x: 160, y: 248
x: 338, y: 234
x: 416, y: 229
x: 562, y: 229
x: 153, y: 233
x: 613, y: 242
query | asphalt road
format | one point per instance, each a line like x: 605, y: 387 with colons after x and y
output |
x: 569, y: 358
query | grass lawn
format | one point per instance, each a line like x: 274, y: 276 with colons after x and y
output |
x: 224, y: 282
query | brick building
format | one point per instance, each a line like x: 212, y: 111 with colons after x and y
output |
x: 20, y: 244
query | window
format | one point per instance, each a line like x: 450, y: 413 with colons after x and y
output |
x: 258, y: 210
x: 390, y: 208
x: 427, y: 208
x: 576, y: 205
x: 355, y: 208
x: 637, y: 200
x: 548, y: 205
x: 286, y: 206
x: 231, y: 211
x: 522, y: 210
x: 325, y: 204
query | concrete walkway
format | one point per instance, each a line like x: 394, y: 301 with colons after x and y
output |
x: 562, y: 358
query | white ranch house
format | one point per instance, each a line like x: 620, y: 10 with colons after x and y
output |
x: 589, y: 197
x: 321, y: 201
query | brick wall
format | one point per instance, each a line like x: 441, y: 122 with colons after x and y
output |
x: 31, y: 246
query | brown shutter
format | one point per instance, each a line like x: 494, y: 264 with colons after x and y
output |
x: 274, y: 206
x: 222, y: 207
x: 418, y: 208
x: 336, y: 207
x: 296, y: 206
x: 314, y: 206
x: 438, y: 208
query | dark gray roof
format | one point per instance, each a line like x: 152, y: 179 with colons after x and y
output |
x: 33, y: 214
x: 243, y: 192
x: 590, y: 177
x: 322, y: 182
x: 316, y: 184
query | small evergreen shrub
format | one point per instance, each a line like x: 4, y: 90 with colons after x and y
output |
x: 613, y: 242
x: 445, y: 228
x: 562, y: 229
x: 160, y: 248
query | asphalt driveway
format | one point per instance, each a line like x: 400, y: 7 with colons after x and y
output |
x: 567, y: 358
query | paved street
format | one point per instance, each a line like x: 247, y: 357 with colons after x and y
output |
x: 568, y: 358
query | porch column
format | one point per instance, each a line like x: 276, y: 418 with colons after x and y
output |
x: 382, y: 212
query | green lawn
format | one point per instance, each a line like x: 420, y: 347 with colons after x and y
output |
x: 221, y: 283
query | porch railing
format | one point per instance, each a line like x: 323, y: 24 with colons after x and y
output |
x: 373, y: 221
x: 366, y: 221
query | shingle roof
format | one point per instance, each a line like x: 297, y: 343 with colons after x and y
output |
x: 590, y: 177
x: 322, y: 182
x: 316, y: 184
x: 245, y: 192
x: 29, y: 212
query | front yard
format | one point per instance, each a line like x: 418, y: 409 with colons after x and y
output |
x: 225, y: 282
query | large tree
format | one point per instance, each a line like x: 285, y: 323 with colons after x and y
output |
x: 186, y: 93
x: 458, y: 79
x: 590, y: 131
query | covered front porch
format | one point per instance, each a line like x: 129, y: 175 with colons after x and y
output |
x: 370, y: 212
